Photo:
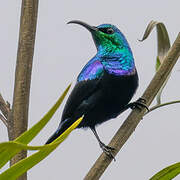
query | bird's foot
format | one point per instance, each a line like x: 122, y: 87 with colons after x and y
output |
x: 140, y: 103
x: 108, y: 150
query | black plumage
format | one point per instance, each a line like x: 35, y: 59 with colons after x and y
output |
x: 105, y: 85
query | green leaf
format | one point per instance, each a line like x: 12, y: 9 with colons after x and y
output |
x: 7, y: 153
x: 27, y: 136
x: 22, y: 166
x: 167, y: 173
x: 163, y: 47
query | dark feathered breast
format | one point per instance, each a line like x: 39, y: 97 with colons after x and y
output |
x: 100, y: 99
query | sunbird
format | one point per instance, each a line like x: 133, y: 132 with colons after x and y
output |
x: 105, y: 85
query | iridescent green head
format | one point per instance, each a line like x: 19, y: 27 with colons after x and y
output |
x: 108, y: 39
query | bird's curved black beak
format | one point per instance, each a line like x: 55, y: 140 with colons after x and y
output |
x: 87, y: 26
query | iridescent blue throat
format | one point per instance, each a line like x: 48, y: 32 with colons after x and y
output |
x: 121, y: 63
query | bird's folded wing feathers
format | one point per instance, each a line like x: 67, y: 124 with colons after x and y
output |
x: 93, y: 69
x: 84, y: 91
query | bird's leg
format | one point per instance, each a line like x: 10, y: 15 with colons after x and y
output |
x: 106, y: 149
x: 137, y: 104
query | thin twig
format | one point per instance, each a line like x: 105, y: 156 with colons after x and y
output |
x: 136, y: 115
x: 4, y: 120
x: 4, y: 107
x: 161, y: 105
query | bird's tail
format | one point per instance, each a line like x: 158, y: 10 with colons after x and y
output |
x: 62, y: 127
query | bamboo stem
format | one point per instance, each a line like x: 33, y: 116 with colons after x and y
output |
x: 18, y: 119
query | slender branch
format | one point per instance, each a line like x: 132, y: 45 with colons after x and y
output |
x: 161, y: 105
x: 4, y: 107
x: 18, y: 120
x: 136, y: 115
x: 4, y: 120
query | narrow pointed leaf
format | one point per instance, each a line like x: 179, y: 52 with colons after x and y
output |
x: 6, y: 153
x: 27, y: 136
x: 22, y: 166
x: 167, y: 173
x: 163, y: 47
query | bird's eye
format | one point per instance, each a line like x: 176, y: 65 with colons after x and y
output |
x: 107, y: 30
x: 110, y: 31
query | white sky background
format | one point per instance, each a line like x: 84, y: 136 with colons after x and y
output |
x: 60, y: 53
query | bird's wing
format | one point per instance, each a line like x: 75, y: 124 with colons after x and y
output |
x: 94, y: 69
x: 86, y: 89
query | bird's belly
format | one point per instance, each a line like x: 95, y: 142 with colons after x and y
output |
x: 116, y: 93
